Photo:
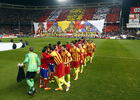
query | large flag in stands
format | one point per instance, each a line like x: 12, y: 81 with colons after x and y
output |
x: 69, y: 27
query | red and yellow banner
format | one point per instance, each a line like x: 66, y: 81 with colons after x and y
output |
x: 69, y: 28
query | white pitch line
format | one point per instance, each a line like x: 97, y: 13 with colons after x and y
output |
x: 117, y: 57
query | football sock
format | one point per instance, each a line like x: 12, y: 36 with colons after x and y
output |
x: 63, y: 77
x: 32, y: 81
x: 90, y: 59
x: 51, y: 75
x: 68, y: 77
x: 30, y: 91
x: 33, y: 88
x: 85, y: 61
x: 78, y: 68
x: 93, y: 54
x: 63, y: 81
x: 58, y: 82
x: 45, y: 82
x: 76, y: 71
x: 40, y: 80
x: 29, y: 83
x: 82, y: 67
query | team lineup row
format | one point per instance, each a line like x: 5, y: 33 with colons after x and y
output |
x: 58, y: 59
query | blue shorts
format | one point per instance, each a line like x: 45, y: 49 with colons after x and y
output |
x: 51, y: 67
x: 44, y: 73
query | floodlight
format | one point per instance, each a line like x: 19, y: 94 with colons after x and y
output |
x: 62, y: 0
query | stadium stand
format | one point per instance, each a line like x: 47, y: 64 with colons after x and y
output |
x: 75, y: 14
x: 102, y: 10
x: 114, y: 15
x: 101, y: 13
x: 11, y: 16
x: 112, y: 28
x: 13, y: 29
x: 14, y: 15
x: 45, y: 17
x: 63, y: 15
x: 54, y: 15
x: 89, y: 14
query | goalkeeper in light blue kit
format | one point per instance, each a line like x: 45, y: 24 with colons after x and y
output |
x: 33, y: 60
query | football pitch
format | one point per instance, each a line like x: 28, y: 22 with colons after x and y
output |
x: 113, y: 75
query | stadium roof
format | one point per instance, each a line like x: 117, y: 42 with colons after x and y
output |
x: 125, y: 6
x: 86, y: 5
x: 51, y: 2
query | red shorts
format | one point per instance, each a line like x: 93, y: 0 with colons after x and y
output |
x: 89, y: 54
x: 67, y: 70
x: 75, y: 64
x: 82, y: 62
x: 85, y: 55
x: 60, y: 70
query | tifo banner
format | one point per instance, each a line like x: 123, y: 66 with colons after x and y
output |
x: 40, y: 27
x: 69, y: 28
x: 135, y: 10
x: 91, y: 26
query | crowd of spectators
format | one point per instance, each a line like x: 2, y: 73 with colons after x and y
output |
x: 63, y: 15
x: 9, y: 18
x: 54, y: 15
x: 129, y: 31
x: 13, y: 29
x: 76, y: 14
x: 120, y: 32
x: 22, y: 15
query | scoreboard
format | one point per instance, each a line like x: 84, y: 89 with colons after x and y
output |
x: 134, y: 18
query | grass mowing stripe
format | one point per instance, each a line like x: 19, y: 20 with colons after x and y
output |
x: 132, y: 46
x: 117, y: 57
x: 105, y: 79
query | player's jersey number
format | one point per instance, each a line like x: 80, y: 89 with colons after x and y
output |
x: 33, y: 58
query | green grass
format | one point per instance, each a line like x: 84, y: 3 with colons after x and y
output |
x: 113, y: 75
